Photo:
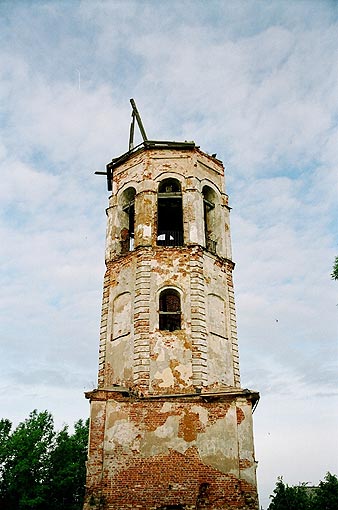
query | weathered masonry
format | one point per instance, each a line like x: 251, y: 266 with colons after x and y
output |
x: 171, y: 427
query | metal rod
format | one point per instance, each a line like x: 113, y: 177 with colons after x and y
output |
x: 138, y: 118
x: 131, y: 133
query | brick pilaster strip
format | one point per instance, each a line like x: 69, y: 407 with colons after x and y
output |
x: 141, y: 318
x: 103, y: 329
x: 198, y: 319
x: 233, y: 329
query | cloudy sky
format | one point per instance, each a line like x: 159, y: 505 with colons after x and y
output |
x: 254, y: 81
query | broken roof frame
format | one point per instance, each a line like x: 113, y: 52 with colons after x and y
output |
x: 146, y: 144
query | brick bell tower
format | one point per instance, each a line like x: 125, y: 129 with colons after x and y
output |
x: 170, y: 425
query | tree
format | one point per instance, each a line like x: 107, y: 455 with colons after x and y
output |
x: 67, y: 468
x: 301, y: 497
x: 334, y: 274
x: 326, y: 495
x: 290, y: 498
x: 40, y: 468
x: 24, y: 467
x: 5, y: 429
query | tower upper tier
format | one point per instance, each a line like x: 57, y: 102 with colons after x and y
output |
x: 168, y: 314
x: 167, y: 194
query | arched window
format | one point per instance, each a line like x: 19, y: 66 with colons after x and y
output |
x: 169, y: 213
x: 127, y: 220
x: 209, y: 200
x: 170, y: 310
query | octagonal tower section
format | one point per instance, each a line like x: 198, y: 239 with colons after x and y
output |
x: 171, y: 427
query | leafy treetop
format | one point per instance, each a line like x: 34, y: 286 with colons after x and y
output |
x: 334, y: 274
x: 302, y: 497
x: 40, y: 468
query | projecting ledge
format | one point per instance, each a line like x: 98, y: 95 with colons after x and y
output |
x: 225, y: 394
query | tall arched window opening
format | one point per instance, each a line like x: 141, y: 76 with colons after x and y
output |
x: 169, y: 213
x: 170, y: 310
x: 127, y: 220
x: 209, y: 200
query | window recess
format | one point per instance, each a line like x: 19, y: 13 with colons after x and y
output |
x: 127, y: 220
x: 169, y: 214
x: 170, y: 310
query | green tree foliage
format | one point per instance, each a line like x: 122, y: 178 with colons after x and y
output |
x: 25, y: 465
x: 326, y: 496
x: 67, y: 468
x: 302, y: 497
x: 5, y: 428
x: 40, y: 468
x: 334, y: 274
x: 290, y: 498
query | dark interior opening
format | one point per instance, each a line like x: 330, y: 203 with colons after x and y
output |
x: 169, y: 214
x: 170, y: 310
x: 209, y: 213
x: 127, y: 232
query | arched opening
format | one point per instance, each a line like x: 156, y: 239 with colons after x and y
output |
x: 169, y: 213
x: 209, y: 201
x: 170, y: 310
x: 127, y: 220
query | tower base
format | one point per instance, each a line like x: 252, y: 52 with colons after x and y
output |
x: 171, y: 452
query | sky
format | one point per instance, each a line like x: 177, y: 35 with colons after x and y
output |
x: 255, y: 82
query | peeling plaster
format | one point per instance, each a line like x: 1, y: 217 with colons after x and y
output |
x: 121, y: 433
x: 166, y: 376
x: 216, y: 445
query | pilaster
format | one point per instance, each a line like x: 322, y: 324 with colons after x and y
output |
x: 141, y: 318
x: 198, y: 319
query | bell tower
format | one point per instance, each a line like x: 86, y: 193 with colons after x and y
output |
x: 170, y: 425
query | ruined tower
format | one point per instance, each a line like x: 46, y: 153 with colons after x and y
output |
x: 171, y: 427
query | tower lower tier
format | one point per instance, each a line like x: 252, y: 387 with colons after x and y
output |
x: 171, y: 452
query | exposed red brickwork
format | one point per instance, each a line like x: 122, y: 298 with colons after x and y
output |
x: 245, y: 463
x: 125, y: 478
x: 240, y: 415
x: 174, y: 479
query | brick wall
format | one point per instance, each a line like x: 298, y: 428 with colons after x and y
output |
x: 153, y: 454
